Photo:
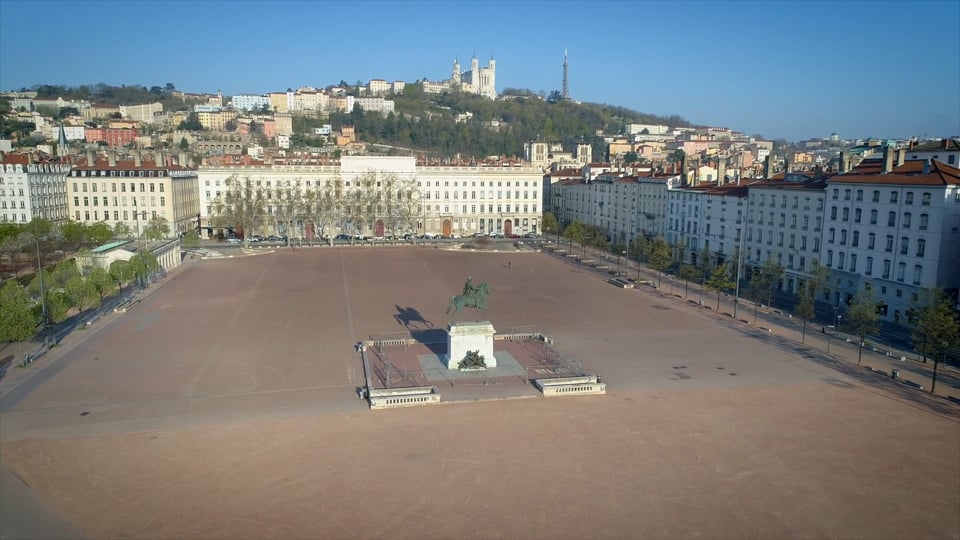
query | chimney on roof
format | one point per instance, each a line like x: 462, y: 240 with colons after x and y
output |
x: 901, y: 154
x: 90, y: 156
x: 183, y: 159
x: 945, y: 143
x: 112, y: 157
x: 786, y: 167
x: 887, y: 160
x: 913, y: 144
x: 841, y: 163
x: 767, y: 167
x: 136, y: 159
x: 722, y: 170
x: 926, y: 166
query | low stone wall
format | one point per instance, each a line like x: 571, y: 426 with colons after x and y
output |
x: 570, y: 386
x: 392, y: 398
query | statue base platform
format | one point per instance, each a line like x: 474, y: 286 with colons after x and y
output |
x: 463, y: 337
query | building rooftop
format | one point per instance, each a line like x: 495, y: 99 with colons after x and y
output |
x: 917, y: 173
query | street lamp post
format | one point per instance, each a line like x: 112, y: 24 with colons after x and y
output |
x: 43, y: 298
x: 836, y: 328
x: 618, y: 261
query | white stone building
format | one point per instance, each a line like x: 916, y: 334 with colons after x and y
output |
x: 247, y: 102
x: 451, y: 200
x: 945, y: 151
x: 32, y: 190
x: 895, y: 232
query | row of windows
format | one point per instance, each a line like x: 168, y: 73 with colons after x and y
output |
x: 119, y: 201
x: 473, y: 195
x: 871, y: 242
x: 120, y: 173
x: 868, y: 267
x: 891, y: 218
x: 106, y: 215
x: 113, y: 187
x: 783, y: 201
x: 894, y: 196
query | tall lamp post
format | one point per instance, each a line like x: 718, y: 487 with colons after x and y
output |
x: 618, y: 261
x: 736, y: 298
x: 836, y: 328
x: 136, y: 217
x: 43, y: 298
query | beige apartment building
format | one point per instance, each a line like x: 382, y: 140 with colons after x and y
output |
x: 132, y: 191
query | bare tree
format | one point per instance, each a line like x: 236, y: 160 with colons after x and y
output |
x: 322, y: 205
x: 287, y: 206
x: 401, y: 205
x: 242, y: 206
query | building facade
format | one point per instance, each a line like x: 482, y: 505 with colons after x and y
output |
x: 132, y: 191
x: 446, y: 200
x: 33, y: 190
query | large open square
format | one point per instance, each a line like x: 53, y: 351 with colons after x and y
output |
x: 224, y: 405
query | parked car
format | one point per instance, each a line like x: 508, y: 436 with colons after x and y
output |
x: 274, y: 238
x: 342, y: 237
x: 234, y: 241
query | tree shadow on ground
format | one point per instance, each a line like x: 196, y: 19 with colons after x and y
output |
x: 861, y: 373
x: 5, y: 364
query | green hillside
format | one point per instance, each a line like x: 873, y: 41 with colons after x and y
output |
x: 426, y: 123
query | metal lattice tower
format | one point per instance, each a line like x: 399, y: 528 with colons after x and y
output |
x: 565, y: 89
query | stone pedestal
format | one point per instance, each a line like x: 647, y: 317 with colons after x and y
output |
x: 470, y: 336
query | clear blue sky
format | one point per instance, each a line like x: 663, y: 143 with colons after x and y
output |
x: 783, y: 69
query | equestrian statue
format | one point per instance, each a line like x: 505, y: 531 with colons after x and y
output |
x: 474, y: 296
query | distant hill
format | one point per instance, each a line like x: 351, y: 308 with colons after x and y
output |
x: 427, y: 123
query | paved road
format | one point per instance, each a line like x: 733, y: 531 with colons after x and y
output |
x: 886, y: 358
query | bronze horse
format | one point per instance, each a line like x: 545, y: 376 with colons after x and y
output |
x: 478, y: 300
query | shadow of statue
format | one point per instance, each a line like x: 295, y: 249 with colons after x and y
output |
x: 408, y: 316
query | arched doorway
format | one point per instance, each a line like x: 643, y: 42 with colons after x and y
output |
x: 378, y: 229
x: 507, y: 228
x: 447, y: 227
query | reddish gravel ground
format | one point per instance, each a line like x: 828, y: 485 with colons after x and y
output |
x: 223, y: 406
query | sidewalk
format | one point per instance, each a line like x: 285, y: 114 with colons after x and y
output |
x: 70, y: 335
x: 912, y: 371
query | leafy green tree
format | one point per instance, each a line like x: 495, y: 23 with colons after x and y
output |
x: 81, y: 293
x: 157, y: 229
x: 122, y: 230
x: 184, y: 145
x: 99, y: 233
x: 688, y: 273
x: 39, y: 227
x: 144, y: 264
x: 769, y: 277
x: 575, y: 232
x: 862, y: 318
x: 58, y: 305
x: 660, y: 256
x: 719, y: 281
x: 75, y: 233
x: 17, y: 319
x: 101, y: 282
x: 548, y: 223
x: 631, y: 157
x: 192, y: 123
x: 937, y: 330
x: 121, y: 272
x: 190, y: 239
x: 804, y: 309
